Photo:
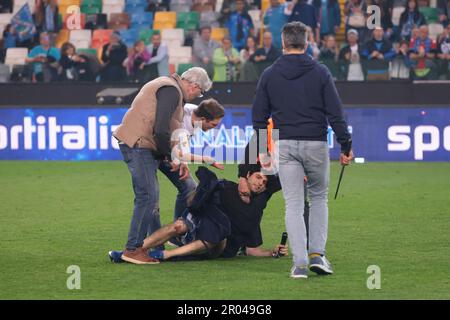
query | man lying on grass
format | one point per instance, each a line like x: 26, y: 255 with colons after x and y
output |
x: 219, y: 222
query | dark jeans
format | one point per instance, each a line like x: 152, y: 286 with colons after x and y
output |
x: 142, y: 166
x: 184, y: 188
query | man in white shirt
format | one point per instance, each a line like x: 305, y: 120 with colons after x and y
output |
x: 205, y: 117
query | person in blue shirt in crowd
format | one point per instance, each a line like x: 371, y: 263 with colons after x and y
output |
x: 304, y: 12
x: 275, y: 18
x: 328, y: 16
x: 45, y: 59
x: 240, y: 25
x: 378, y: 53
x: 9, y: 37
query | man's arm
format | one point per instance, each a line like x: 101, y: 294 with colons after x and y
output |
x: 167, y: 102
x: 261, y: 252
x: 160, y: 54
x: 333, y: 108
x: 261, y: 104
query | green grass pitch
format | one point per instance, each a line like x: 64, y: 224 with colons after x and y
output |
x: 57, y: 214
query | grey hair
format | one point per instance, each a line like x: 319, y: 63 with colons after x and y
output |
x: 198, y: 76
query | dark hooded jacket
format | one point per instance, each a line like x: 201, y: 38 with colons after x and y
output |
x: 300, y: 96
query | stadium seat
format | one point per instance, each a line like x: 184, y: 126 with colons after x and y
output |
x: 129, y: 36
x: 18, y: 4
x: 180, y: 8
x: 5, y: 73
x: 112, y: 6
x: 69, y: 2
x: 91, y: 6
x: 119, y: 21
x: 188, y: 20
x: 165, y: 20
x: 142, y: 20
x: 15, y: 56
x: 135, y: 6
x: 219, y: 33
x: 210, y: 19
x: 81, y: 38
x: 100, y: 37
x: 430, y: 14
x: 82, y: 21
x: 182, y: 67
x: 5, y: 18
x: 63, y: 36
x: 87, y: 50
x: 181, y: 55
x: 96, y: 21
x: 145, y: 35
x: 175, y: 36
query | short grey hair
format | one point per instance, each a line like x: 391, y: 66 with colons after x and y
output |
x: 198, y: 76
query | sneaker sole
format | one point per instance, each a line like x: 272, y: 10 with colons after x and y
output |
x: 319, y: 269
x: 110, y: 258
x: 131, y: 260
x: 299, y: 277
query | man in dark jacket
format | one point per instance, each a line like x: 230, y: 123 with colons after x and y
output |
x: 220, y: 220
x: 301, y: 97
x: 266, y: 55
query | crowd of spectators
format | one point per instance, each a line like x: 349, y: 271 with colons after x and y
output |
x: 408, y: 43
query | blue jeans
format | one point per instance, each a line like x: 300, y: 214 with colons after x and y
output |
x: 143, y: 167
x: 297, y: 159
x: 184, y: 188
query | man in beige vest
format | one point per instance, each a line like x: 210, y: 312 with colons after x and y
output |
x: 145, y: 140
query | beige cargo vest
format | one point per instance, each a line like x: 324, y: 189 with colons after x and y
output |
x: 138, y: 122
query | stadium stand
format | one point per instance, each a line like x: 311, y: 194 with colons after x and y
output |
x: 180, y: 22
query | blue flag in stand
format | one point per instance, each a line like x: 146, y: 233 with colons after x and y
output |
x: 23, y: 22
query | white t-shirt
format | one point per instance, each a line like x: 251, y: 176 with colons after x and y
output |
x: 187, y: 121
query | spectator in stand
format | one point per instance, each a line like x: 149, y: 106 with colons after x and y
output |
x: 401, y: 65
x: 73, y: 66
x: 305, y: 13
x: 203, y: 50
x: 45, y: 59
x: 355, y: 12
x: 377, y: 53
x: 444, y: 53
x: 313, y: 49
x: 386, y: 16
x: 248, y: 70
x: 350, y: 58
x: 240, y: 26
x: 275, y: 18
x: 113, y: 55
x: 411, y: 18
x: 266, y: 55
x: 229, y: 6
x: 422, y: 53
x: 329, y: 55
x: 328, y: 16
x: 46, y: 16
x: 138, y: 56
x: 225, y: 60
x: 158, y: 65
x: 444, y: 11
x: 9, y: 37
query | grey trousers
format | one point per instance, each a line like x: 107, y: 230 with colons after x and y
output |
x: 297, y: 159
